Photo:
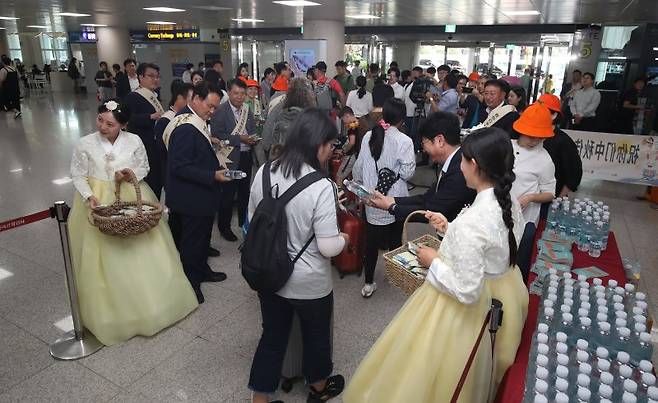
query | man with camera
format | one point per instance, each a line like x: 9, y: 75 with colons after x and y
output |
x: 449, y: 100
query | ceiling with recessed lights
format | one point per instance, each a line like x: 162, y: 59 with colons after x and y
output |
x: 266, y: 13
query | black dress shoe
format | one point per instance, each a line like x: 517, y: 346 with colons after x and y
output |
x: 215, y: 277
x: 199, y: 295
x: 228, y: 235
x: 212, y: 252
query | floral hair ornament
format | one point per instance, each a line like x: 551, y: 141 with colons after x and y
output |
x: 383, y: 124
x: 112, y: 106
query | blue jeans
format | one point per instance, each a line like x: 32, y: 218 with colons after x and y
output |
x: 315, y: 321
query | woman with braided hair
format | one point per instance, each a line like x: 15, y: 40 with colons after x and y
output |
x: 420, y: 355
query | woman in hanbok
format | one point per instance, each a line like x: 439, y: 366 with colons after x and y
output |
x: 420, y: 356
x: 127, y: 286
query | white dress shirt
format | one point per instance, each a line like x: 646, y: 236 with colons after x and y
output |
x: 360, y: 106
x: 585, y: 102
x: 398, y: 90
x: 411, y: 106
x: 134, y: 82
x: 535, y: 173
x: 474, y: 248
x: 95, y: 157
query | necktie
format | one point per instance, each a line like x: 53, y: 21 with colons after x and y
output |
x: 438, y: 180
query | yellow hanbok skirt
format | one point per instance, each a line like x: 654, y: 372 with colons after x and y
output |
x: 127, y: 286
x: 420, y: 356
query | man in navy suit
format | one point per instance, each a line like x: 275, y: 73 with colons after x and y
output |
x: 146, y: 110
x: 192, y: 192
x: 234, y: 122
x: 440, y: 140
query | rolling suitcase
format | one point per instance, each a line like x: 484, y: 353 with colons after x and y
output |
x: 350, y: 260
x: 291, y: 371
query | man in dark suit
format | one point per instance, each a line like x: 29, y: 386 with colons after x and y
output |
x: 192, y: 193
x: 214, y: 75
x: 146, y: 110
x: 126, y: 79
x: 440, y: 140
x: 495, y: 96
x: 234, y: 122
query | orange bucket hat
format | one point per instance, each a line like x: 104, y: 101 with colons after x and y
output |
x: 535, y: 121
x: 280, y: 84
x: 252, y: 83
x: 551, y: 101
x: 474, y: 76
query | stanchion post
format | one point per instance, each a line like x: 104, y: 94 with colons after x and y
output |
x: 77, y: 343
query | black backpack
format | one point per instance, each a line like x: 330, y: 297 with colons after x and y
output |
x: 265, y: 262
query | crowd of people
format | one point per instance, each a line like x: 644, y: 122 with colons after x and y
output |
x: 280, y: 133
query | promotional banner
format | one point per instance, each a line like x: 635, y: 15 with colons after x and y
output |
x: 618, y: 157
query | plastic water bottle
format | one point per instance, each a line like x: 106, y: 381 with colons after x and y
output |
x: 644, y: 349
x: 541, y: 374
x: 540, y: 338
x: 584, y: 395
x: 561, y: 386
x: 566, y: 324
x: 606, y: 231
x: 652, y: 394
x: 561, y: 397
x: 605, y: 391
x: 596, y: 240
x: 583, y: 234
x: 562, y: 223
x: 235, y: 174
x: 628, y: 398
x: 552, y: 218
x: 646, y: 382
x: 574, y: 225
x: 548, y: 316
x: 602, y: 366
x: 541, y: 388
x: 625, y: 373
x: 645, y: 367
x: 602, y: 337
x: 358, y: 189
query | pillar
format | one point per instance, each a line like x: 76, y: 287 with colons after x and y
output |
x: 406, y: 54
x: 4, y: 44
x: 113, y: 45
x: 327, y: 23
x: 30, y: 49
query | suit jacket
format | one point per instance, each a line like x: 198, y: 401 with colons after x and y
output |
x: 123, y: 85
x: 452, y: 194
x: 504, y: 123
x: 191, y: 167
x: 222, y: 124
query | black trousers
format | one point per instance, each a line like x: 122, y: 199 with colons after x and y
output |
x: 229, y: 190
x: 192, y: 236
x: 524, y: 254
x: 586, y: 124
x: 315, y: 322
x: 380, y: 237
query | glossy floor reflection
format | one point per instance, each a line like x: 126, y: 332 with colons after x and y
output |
x: 207, y: 356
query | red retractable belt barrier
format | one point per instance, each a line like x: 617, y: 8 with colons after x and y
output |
x: 28, y: 219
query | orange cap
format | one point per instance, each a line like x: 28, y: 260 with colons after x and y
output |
x: 535, y: 121
x: 474, y: 76
x: 551, y: 101
x: 252, y: 83
x: 280, y: 84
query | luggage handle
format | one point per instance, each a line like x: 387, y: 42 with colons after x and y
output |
x: 494, y: 319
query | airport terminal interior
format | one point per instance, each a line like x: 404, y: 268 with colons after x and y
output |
x: 58, y: 278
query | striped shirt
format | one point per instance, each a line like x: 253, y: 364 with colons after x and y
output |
x: 397, y: 155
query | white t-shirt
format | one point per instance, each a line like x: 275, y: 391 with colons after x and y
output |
x: 134, y: 83
x: 411, y: 106
x: 312, y: 211
x: 535, y: 173
x: 398, y: 90
x: 361, y: 106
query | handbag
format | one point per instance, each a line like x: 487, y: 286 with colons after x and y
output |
x: 386, y: 178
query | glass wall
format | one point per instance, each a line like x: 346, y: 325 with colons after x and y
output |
x: 14, y: 47
x: 54, y: 50
x: 431, y: 55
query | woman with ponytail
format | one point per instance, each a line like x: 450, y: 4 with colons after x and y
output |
x: 421, y: 354
x: 360, y: 100
x: 384, y: 149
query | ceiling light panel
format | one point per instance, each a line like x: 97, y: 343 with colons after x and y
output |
x: 297, y: 3
x: 93, y: 25
x: 521, y: 12
x: 9, y: 18
x: 363, y: 17
x: 37, y: 26
x: 73, y: 15
x: 247, y: 20
x: 164, y: 9
x: 160, y: 22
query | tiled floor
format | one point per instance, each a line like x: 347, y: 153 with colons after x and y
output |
x: 205, y: 357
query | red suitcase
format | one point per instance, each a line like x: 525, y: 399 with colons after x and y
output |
x: 350, y: 260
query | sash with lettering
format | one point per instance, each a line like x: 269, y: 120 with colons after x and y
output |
x: 221, y: 152
x: 151, y: 98
x: 497, y: 114
x: 241, y: 125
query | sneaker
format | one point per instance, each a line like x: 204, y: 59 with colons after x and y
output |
x: 18, y: 115
x: 334, y: 387
x: 368, y: 290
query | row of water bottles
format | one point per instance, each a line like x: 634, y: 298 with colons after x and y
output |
x: 609, y: 316
x: 584, y: 222
x: 561, y: 373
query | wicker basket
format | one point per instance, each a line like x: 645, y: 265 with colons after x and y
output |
x: 111, y: 221
x: 397, y: 274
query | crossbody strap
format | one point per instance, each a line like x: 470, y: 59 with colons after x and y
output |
x: 471, y: 358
